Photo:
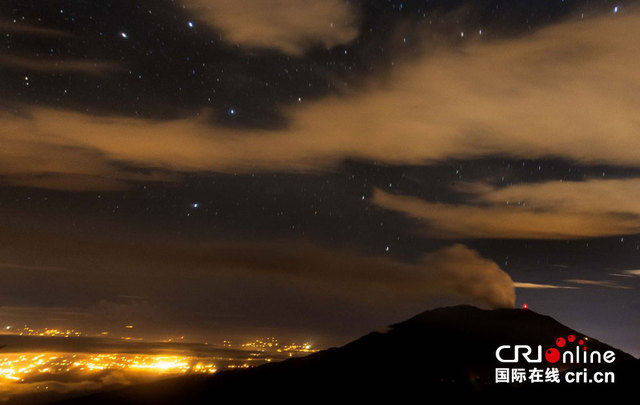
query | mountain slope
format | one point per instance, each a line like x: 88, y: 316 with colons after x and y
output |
x: 447, y: 350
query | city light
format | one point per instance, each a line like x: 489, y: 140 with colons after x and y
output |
x: 49, y: 332
x: 17, y: 367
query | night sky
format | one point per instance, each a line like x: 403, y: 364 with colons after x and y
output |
x: 320, y: 168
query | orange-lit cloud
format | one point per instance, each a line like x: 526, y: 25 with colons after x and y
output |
x: 35, y: 156
x: 565, y: 91
x: 550, y: 210
x: 540, y: 286
x: 291, y: 26
x: 598, y: 283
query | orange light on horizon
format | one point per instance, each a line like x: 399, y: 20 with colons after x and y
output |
x: 16, y: 367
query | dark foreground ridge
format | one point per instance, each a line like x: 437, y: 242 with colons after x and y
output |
x: 448, y: 351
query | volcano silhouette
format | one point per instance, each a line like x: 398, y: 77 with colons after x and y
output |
x: 447, y: 351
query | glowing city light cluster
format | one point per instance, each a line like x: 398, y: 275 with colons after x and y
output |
x: 27, y: 331
x: 20, y: 366
x: 272, y: 344
x: 262, y: 343
x: 303, y: 348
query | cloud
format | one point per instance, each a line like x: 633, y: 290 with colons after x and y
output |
x: 26, y: 267
x: 36, y: 156
x: 126, y: 310
x: 21, y: 314
x: 548, y: 210
x: 564, y: 91
x: 291, y: 26
x: 599, y: 283
x: 79, y: 384
x: 48, y: 64
x: 455, y: 270
x: 102, y: 267
x: 15, y: 27
x: 468, y: 274
x: 635, y: 272
x: 540, y: 286
x: 16, y: 312
x: 55, y: 65
x: 12, y: 391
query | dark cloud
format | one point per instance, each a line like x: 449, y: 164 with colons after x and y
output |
x: 19, y: 27
x: 208, y: 272
x: 57, y: 65
x: 546, y: 210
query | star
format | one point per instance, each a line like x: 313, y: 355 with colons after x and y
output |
x: 124, y: 35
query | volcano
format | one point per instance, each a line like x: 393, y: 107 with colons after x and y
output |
x: 446, y: 351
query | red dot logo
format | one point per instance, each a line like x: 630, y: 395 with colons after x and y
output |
x: 552, y: 355
x: 580, y: 342
x: 571, y: 338
x: 560, y: 342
